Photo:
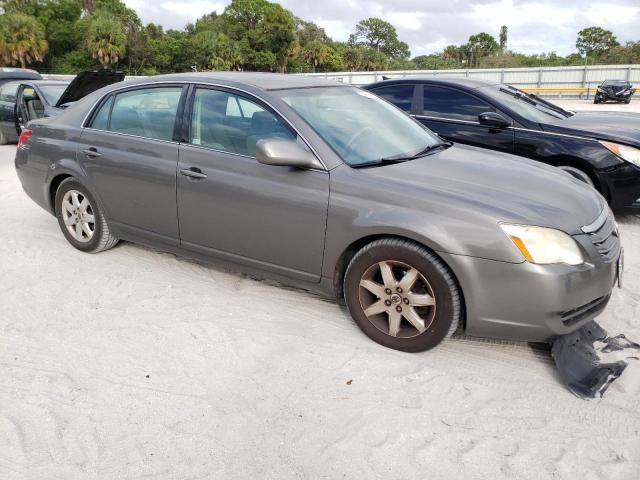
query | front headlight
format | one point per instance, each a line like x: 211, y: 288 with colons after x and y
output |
x: 630, y: 154
x: 544, y: 245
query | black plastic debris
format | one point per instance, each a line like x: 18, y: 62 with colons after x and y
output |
x: 577, y: 356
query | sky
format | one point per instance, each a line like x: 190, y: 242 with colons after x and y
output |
x: 430, y: 25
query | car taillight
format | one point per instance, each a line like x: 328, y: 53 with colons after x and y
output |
x: 24, y: 136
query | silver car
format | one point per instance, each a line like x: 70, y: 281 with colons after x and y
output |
x: 329, y: 188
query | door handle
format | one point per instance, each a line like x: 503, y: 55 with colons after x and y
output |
x: 92, y: 152
x: 193, y: 172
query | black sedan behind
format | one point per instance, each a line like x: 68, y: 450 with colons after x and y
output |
x: 600, y: 148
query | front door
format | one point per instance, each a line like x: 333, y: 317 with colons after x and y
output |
x: 453, y: 114
x: 130, y: 158
x: 229, y: 205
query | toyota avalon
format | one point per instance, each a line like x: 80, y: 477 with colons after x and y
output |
x: 329, y: 188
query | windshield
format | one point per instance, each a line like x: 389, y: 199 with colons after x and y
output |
x: 616, y: 83
x: 360, y: 127
x: 526, y: 105
x: 52, y: 92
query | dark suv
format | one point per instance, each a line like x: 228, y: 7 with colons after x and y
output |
x: 599, y: 148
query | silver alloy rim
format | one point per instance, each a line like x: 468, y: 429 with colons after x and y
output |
x: 397, y: 299
x: 78, y: 216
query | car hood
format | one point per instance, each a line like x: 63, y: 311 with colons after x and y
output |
x: 87, y: 82
x: 498, y: 186
x: 621, y: 127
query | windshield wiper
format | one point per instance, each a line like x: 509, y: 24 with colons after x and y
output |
x: 405, y: 158
x: 535, y: 100
x: 550, y: 105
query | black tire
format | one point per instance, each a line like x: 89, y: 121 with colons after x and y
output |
x: 627, y: 101
x: 102, y: 238
x: 448, y: 297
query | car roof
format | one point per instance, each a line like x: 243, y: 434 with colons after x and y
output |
x: 450, y: 80
x: 18, y: 74
x: 261, y: 80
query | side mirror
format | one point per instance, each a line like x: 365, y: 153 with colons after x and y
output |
x: 493, y: 119
x: 285, y: 153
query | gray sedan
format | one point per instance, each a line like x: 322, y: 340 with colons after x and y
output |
x: 332, y: 189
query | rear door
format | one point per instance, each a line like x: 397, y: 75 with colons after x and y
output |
x: 130, y: 156
x: 453, y: 114
x: 229, y: 205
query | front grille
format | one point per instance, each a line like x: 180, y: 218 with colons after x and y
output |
x: 603, y: 233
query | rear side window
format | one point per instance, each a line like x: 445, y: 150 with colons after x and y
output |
x: 101, y: 118
x: 228, y: 122
x: 400, y: 95
x: 453, y: 103
x: 148, y: 112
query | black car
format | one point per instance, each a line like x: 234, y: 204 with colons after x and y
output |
x: 24, y: 100
x: 614, y: 90
x: 599, y: 148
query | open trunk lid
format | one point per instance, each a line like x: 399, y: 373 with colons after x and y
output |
x: 87, y: 82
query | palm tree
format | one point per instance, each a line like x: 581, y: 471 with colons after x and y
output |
x: 22, y: 39
x: 105, y: 39
x: 315, y: 53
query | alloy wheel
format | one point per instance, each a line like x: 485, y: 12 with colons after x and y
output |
x: 78, y: 216
x: 397, y: 299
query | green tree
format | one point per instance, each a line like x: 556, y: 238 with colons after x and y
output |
x: 22, y: 39
x: 315, y: 54
x: 594, y: 41
x: 309, y: 32
x: 479, y: 46
x: 105, y: 38
x: 380, y: 36
x: 504, y: 32
x: 265, y: 30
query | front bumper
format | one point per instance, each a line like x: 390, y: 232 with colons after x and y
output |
x: 532, y: 303
x: 622, y: 185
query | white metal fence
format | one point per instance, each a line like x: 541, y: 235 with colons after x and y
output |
x: 543, y: 77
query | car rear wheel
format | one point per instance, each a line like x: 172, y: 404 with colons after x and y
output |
x: 579, y: 174
x: 402, y: 295
x: 80, y: 219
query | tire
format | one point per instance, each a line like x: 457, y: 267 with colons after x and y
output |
x: 3, y: 139
x: 579, y: 174
x: 627, y: 101
x: 73, y: 194
x: 433, y: 300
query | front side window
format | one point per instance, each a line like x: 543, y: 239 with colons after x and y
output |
x: 149, y: 112
x: 8, y: 92
x: 400, y: 95
x: 234, y: 124
x: 453, y: 103
x: 358, y: 125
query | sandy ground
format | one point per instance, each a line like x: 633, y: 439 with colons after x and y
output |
x: 136, y: 364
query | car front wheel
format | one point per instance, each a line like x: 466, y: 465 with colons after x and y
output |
x: 402, y: 295
x: 80, y: 219
x: 579, y: 174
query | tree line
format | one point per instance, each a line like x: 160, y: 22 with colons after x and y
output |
x: 67, y: 36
